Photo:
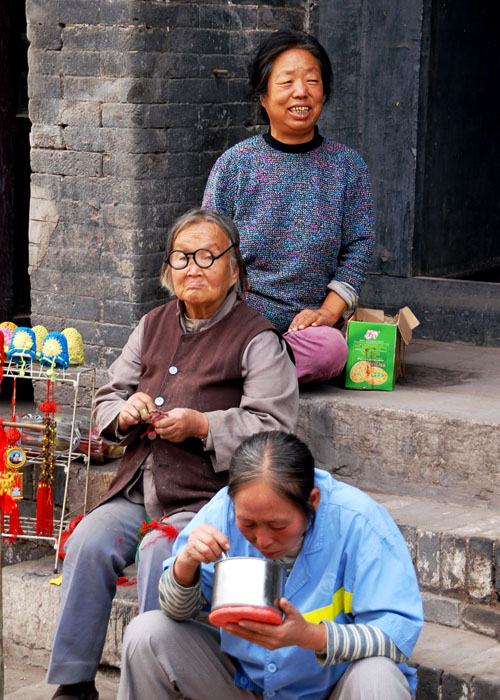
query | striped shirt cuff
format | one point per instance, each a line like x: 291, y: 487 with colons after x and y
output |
x: 353, y: 642
x: 178, y: 602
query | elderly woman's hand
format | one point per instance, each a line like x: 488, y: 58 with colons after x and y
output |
x: 205, y: 544
x: 137, y: 409
x: 295, y: 631
x: 181, y: 423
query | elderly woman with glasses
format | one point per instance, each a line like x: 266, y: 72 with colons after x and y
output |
x: 197, y: 376
x: 302, y: 204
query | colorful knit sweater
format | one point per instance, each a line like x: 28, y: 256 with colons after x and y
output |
x: 305, y: 218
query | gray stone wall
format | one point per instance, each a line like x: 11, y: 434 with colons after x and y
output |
x: 131, y: 102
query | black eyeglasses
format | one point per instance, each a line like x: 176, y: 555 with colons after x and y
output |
x: 178, y: 259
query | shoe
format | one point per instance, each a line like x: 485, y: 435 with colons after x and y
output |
x: 85, y: 690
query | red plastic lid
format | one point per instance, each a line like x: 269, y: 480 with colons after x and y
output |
x: 234, y: 613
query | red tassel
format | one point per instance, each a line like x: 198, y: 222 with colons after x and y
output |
x: 44, y: 510
x: 162, y: 527
x: 15, y: 528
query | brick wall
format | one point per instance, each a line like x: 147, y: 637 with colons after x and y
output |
x: 129, y: 114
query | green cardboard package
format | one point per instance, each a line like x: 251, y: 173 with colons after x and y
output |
x: 377, y: 346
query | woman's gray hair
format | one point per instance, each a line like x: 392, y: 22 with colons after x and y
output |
x: 195, y: 216
x: 282, y: 460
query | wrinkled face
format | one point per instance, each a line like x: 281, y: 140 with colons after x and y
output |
x: 271, y: 523
x: 294, y: 99
x: 203, y: 290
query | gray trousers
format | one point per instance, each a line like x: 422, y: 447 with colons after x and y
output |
x: 102, y: 545
x: 164, y: 659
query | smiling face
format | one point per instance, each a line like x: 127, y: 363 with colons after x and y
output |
x: 271, y: 523
x: 294, y: 98
x: 203, y: 290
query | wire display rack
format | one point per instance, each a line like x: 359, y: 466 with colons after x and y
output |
x: 79, y: 378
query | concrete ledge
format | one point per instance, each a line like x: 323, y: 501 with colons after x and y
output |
x: 430, y: 433
x: 30, y: 605
x: 456, y: 664
x: 455, y: 551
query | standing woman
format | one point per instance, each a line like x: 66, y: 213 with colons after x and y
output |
x: 302, y: 204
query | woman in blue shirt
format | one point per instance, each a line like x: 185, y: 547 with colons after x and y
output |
x: 352, y: 609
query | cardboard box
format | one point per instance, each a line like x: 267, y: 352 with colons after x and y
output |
x: 377, y: 345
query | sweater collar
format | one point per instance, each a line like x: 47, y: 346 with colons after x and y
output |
x: 316, y: 141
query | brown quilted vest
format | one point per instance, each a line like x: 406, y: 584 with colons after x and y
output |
x: 189, y: 370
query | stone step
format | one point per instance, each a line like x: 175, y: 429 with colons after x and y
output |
x: 455, y: 550
x: 456, y: 665
x: 30, y: 604
x: 452, y: 663
x: 436, y: 433
x: 456, y: 554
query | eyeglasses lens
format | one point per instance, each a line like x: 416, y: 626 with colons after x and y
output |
x: 179, y: 260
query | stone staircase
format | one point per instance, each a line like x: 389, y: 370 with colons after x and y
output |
x: 430, y: 453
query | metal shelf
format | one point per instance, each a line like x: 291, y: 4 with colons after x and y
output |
x: 79, y: 377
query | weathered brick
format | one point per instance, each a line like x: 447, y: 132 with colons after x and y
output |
x: 105, y: 140
x: 80, y: 113
x: 45, y: 111
x: 151, y: 14
x: 43, y: 62
x: 283, y: 18
x: 49, y: 87
x: 46, y: 136
x: 486, y: 689
x: 482, y: 619
x: 480, y: 567
x: 135, y: 265
x: 455, y: 688
x: 66, y: 162
x: 81, y: 63
x: 140, y: 166
x: 70, y: 307
x: 63, y: 11
x: 133, y: 215
x: 187, y: 190
x: 44, y: 36
x: 428, y: 559
x: 409, y: 533
x: 453, y: 563
x: 185, y: 140
x: 115, y: 90
x: 115, y: 38
x: 429, y: 682
x: 441, y: 610
x: 121, y: 312
x: 231, y: 18
x: 194, y: 90
x: 235, y: 65
x: 203, y: 41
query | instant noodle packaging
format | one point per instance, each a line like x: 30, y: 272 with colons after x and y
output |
x: 377, y: 345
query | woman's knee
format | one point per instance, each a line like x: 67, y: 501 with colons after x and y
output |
x: 320, y: 352
x: 144, y: 628
x: 375, y: 678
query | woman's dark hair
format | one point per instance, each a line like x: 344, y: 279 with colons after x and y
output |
x: 261, y: 66
x: 282, y: 460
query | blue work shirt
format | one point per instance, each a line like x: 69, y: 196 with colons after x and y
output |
x: 354, y: 567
